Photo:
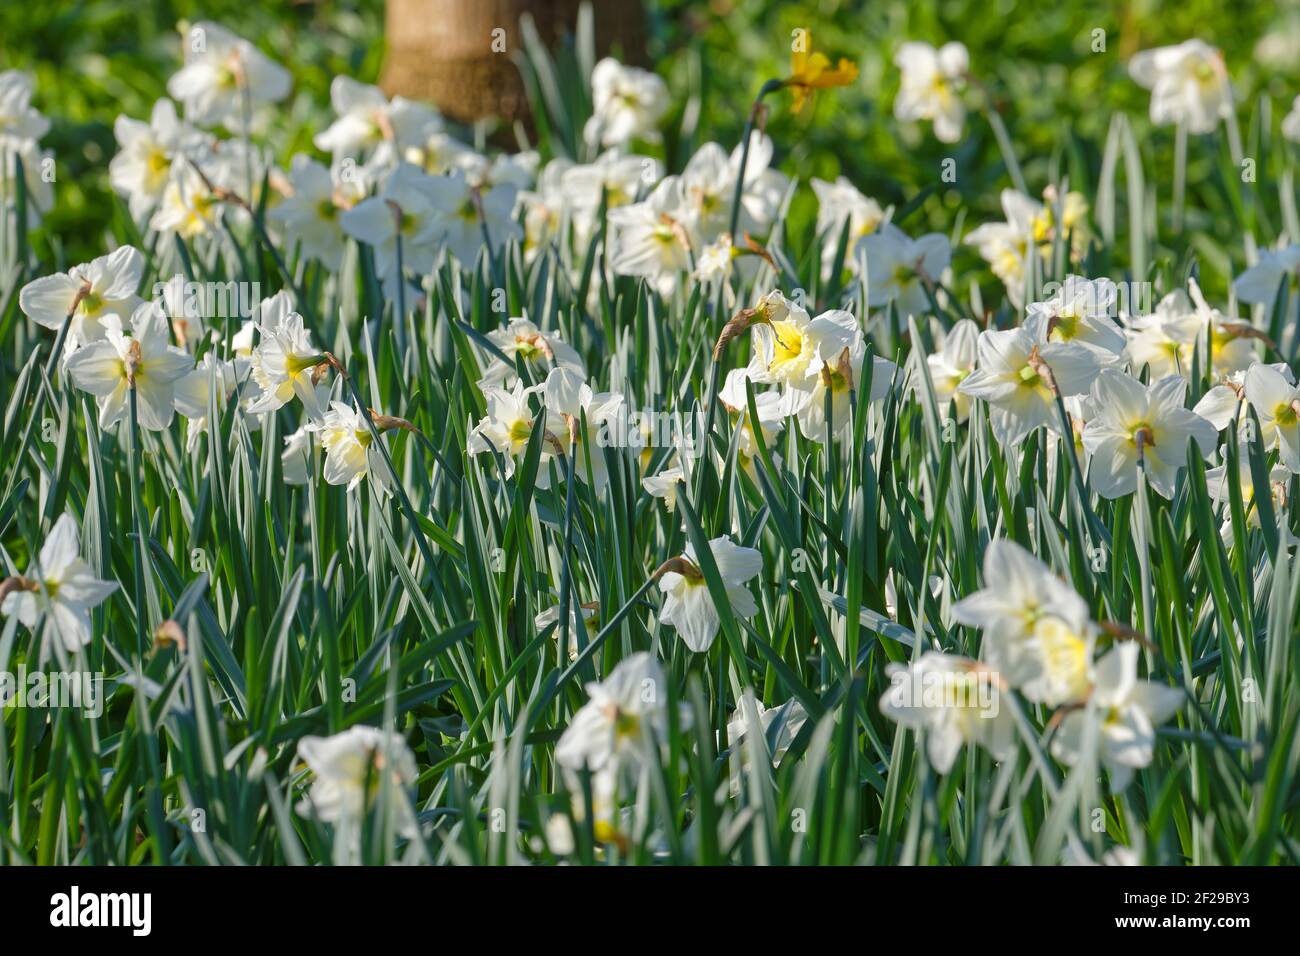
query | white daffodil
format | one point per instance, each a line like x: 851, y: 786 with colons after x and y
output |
x: 1081, y: 311
x: 350, y: 452
x: 365, y: 119
x: 791, y: 349
x: 1164, y: 341
x: 899, y: 268
x: 437, y: 153
x: 1030, y: 227
x: 189, y: 207
x: 626, y: 104
x: 1134, y: 423
x: 708, y: 186
x: 351, y: 770
x: 285, y: 364
x: 509, y: 424
x: 688, y: 607
x: 1232, y: 344
x: 1291, y: 122
x: 1188, y: 82
x: 539, y: 350
x: 614, y: 178
x: 590, y: 620
x: 650, y: 238
x: 224, y: 73
x: 1225, y: 401
x: 295, y: 459
x: 931, y: 85
x: 1037, y: 631
x: 411, y: 206
x: 546, y: 210
x: 471, y: 217
x: 1218, y: 484
x: 20, y: 122
x: 713, y: 266
x: 837, y: 369
x: 143, y: 362
x: 1276, y: 400
x: 787, y: 718
x: 954, y: 701
x: 566, y: 393
x: 1259, y: 284
x: 665, y: 485
x: 146, y: 151
x: 211, y: 384
x: 89, y: 293
x: 59, y: 587
x: 1123, y: 712
x: 613, y: 730
x: 771, y: 410
x: 1017, y: 375
x: 311, y: 214
x: 37, y: 167
x: 951, y: 365
x: 840, y: 203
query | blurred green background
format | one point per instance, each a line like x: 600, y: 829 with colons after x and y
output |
x: 94, y: 59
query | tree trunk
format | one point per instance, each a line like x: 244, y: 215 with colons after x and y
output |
x: 443, y: 50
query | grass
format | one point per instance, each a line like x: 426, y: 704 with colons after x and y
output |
x: 308, y: 610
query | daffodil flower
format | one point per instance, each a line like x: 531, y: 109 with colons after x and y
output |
x: 650, y: 238
x: 566, y: 393
x: 950, y: 366
x: 19, y: 121
x: 788, y: 719
x: 1030, y: 227
x: 1188, y: 82
x: 222, y: 70
x: 812, y: 70
x: 1260, y: 283
x: 1080, y: 311
x: 954, y: 701
x: 1133, y: 423
x: 1019, y: 375
x: 1123, y: 712
x: 899, y: 268
x: 708, y: 187
x: 285, y: 365
x: 540, y: 350
x: 627, y: 103
x: 665, y: 485
x: 688, y: 606
x: 350, y: 453
x: 142, y: 361
x: 1276, y: 401
x: 59, y: 587
x: 142, y: 167
x: 349, y: 771
x: 1037, y: 631
x: 1164, y: 341
x: 411, y: 206
x: 614, y: 179
x: 89, y: 293
x: 365, y: 119
x: 213, y: 381
x: 311, y: 215
x: 1217, y: 483
x: 587, y: 614
x: 613, y: 729
x: 840, y: 203
x: 509, y: 424
x: 931, y: 85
